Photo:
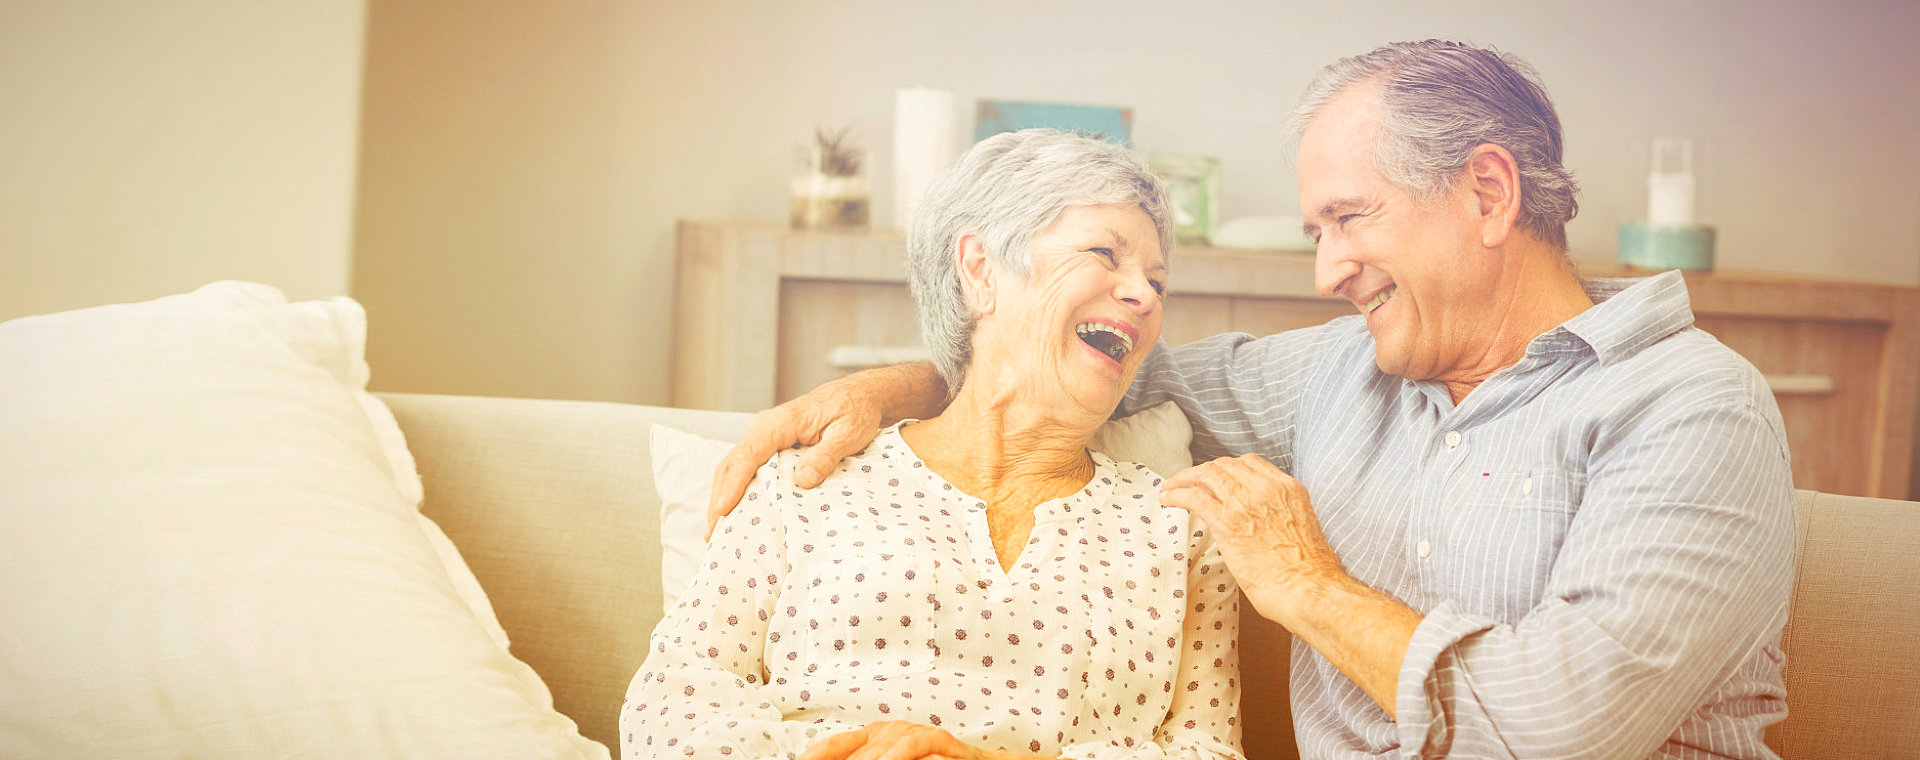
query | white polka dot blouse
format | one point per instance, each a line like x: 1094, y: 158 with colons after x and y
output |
x: 877, y: 596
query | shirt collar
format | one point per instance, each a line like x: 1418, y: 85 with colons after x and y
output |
x: 1628, y: 314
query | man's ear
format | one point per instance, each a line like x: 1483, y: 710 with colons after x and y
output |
x: 1494, y: 179
x: 976, y: 275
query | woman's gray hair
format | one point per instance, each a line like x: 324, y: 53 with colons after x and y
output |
x: 1008, y: 188
x: 1443, y: 99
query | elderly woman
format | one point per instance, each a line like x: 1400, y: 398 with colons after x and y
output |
x: 977, y: 584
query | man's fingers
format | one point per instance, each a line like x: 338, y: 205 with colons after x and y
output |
x: 843, y: 438
x: 1197, y: 498
x: 770, y: 431
x: 730, y: 482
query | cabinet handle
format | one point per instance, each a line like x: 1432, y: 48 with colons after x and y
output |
x: 852, y: 357
x: 1799, y: 385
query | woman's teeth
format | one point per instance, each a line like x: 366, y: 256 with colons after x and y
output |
x: 1104, y: 338
x: 1384, y: 296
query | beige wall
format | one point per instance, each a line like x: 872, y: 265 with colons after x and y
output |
x: 496, y: 250
x: 523, y: 168
x: 149, y: 148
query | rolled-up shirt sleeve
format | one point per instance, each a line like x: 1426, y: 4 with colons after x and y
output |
x: 1674, y: 572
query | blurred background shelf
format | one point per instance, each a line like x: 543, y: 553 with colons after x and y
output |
x: 763, y: 312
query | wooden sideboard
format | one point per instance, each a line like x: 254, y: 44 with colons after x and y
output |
x: 762, y: 313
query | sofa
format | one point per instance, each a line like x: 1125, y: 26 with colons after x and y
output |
x: 216, y: 543
x: 553, y: 505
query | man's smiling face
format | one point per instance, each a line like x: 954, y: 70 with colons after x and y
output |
x: 1410, y: 267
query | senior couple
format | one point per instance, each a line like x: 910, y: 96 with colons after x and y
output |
x: 1509, y: 512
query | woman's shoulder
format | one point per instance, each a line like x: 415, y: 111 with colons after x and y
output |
x: 1135, y: 491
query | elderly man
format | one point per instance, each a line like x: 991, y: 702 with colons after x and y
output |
x: 1511, y: 513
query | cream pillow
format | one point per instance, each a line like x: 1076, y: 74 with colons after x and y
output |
x: 683, y: 464
x: 211, y: 548
x: 1157, y: 436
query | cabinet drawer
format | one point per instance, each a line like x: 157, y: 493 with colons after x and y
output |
x: 1826, y: 378
x: 818, y: 316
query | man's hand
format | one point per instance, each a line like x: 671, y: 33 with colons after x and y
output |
x: 838, y: 419
x: 894, y: 740
x: 1263, y: 522
x: 1264, y: 525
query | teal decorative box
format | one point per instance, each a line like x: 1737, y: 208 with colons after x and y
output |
x: 1678, y: 246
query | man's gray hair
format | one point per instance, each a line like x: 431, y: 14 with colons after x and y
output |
x: 1007, y: 189
x: 1441, y: 100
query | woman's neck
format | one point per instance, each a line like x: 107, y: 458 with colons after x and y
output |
x: 1012, y: 453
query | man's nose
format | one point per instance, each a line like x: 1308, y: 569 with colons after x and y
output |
x: 1332, y: 268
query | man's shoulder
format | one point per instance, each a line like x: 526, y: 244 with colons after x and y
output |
x: 1342, y: 340
x: 1692, y: 366
x: 1687, y: 381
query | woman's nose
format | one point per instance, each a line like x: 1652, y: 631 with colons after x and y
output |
x: 1138, y: 293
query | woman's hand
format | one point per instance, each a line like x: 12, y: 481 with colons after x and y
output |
x: 895, y: 740
x: 838, y: 419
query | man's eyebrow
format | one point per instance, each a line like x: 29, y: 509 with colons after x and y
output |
x: 1332, y: 210
x: 1338, y: 205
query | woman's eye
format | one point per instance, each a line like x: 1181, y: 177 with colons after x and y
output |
x: 1344, y: 218
x: 1107, y: 252
x: 1159, y: 288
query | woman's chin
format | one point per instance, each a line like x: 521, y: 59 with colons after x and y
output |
x: 1096, y: 398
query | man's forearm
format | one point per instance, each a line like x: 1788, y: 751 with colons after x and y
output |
x: 1363, y: 632
x: 913, y: 390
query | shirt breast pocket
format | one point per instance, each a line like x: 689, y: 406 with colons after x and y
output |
x: 1501, y: 533
x: 868, y: 616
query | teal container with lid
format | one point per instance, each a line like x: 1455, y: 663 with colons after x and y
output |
x: 1687, y: 246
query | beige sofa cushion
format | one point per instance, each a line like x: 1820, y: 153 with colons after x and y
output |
x: 552, y: 504
x: 1853, y: 669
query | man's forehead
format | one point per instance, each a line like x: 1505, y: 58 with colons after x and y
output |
x: 1336, y: 153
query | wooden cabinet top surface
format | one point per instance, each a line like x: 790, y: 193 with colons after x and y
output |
x: 878, y: 255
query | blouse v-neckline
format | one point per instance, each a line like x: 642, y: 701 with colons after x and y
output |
x: 1049, y: 513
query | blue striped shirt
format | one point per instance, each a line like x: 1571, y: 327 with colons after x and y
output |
x: 1600, y: 537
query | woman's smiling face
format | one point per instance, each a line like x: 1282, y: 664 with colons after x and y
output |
x: 1084, y: 318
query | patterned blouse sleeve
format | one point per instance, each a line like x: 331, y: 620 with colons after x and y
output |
x: 699, y: 693
x: 1202, y: 721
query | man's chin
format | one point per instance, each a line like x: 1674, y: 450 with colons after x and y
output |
x: 1390, y: 363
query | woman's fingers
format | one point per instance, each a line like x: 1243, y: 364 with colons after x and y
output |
x: 839, y: 746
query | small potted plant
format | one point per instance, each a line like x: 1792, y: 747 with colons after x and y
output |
x: 830, y: 186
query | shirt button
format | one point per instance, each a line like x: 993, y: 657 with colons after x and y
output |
x: 1423, y: 548
x: 1453, y: 438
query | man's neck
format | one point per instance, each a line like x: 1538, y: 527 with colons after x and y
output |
x: 1539, y: 290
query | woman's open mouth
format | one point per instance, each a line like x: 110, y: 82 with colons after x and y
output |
x: 1105, y: 338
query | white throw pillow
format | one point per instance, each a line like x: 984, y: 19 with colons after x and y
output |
x: 210, y: 548
x: 683, y: 464
x: 1157, y: 436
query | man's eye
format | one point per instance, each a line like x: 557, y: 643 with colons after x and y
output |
x: 1344, y: 218
x: 1159, y: 288
x: 1107, y: 252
